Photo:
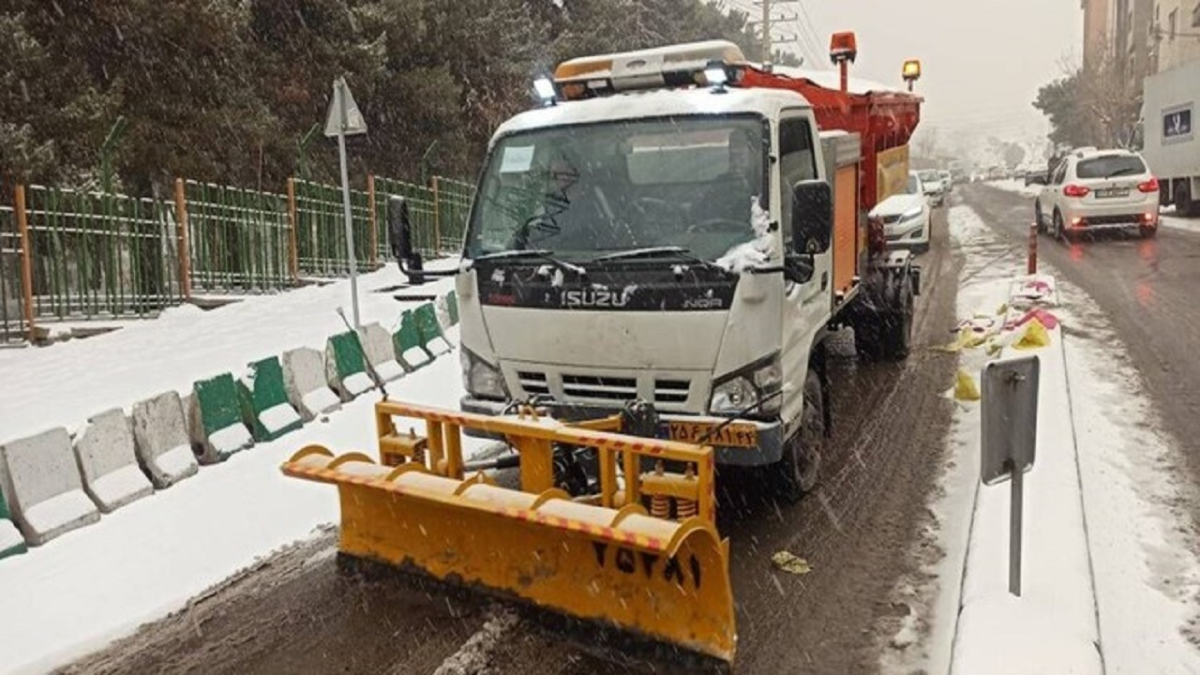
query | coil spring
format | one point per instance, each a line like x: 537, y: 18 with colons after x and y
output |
x: 687, y: 508
x: 660, y: 505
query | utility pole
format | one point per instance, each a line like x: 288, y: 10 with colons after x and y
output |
x: 769, y: 18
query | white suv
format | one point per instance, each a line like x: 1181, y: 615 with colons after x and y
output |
x: 1098, y: 190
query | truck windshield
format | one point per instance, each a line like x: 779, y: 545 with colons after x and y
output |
x: 591, y: 190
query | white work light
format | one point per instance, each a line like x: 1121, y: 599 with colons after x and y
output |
x: 545, y: 89
x: 715, y: 75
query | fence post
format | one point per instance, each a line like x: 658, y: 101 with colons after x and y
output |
x: 293, y: 254
x: 374, y: 225
x: 437, y: 220
x: 26, y: 259
x: 185, y: 260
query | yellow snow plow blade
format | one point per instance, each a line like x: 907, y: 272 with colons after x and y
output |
x: 602, y: 558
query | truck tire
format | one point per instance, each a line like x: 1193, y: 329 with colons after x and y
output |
x: 898, y: 326
x: 1185, y: 205
x: 799, y: 470
x: 1039, y: 218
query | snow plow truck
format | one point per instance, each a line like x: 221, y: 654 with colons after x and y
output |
x: 654, y: 259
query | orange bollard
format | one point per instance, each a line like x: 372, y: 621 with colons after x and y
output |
x: 1033, y: 238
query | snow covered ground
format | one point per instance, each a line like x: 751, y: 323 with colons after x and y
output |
x: 1016, y: 185
x: 1143, y: 559
x: 96, y: 584
x: 61, y: 385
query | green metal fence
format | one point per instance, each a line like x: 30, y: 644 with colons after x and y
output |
x: 12, y: 299
x: 321, y: 229
x: 438, y: 214
x: 454, y: 207
x: 100, y: 254
x: 237, y: 239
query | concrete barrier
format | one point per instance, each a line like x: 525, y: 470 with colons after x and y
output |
x: 11, y: 541
x: 346, y: 366
x: 410, y: 348
x: 161, y: 439
x: 431, y: 331
x: 46, y: 491
x: 216, y: 419
x: 380, y: 352
x: 108, y: 461
x: 304, y: 381
x: 264, y: 400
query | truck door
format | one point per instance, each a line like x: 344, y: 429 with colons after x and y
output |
x: 806, y: 306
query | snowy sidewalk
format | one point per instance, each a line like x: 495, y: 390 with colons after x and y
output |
x: 1131, y: 492
x: 61, y: 385
x: 76, y: 594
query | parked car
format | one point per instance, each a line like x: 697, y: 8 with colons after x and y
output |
x: 906, y: 216
x: 1095, y: 190
x: 931, y: 183
x: 1035, y: 177
x: 947, y: 180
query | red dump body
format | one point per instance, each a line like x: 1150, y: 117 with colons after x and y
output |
x: 884, y: 120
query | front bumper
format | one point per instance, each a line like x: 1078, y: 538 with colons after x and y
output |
x: 770, y: 434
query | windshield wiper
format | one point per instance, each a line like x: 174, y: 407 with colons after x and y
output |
x: 658, y: 252
x: 518, y: 255
x: 1123, y: 172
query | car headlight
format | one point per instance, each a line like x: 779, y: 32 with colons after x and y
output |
x: 912, y: 213
x: 480, y: 378
x: 745, y: 388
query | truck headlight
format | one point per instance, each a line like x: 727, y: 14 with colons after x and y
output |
x: 480, y: 378
x: 742, y: 389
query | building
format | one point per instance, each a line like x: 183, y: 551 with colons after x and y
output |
x: 1095, y: 31
x: 1175, y: 32
x: 1131, y: 37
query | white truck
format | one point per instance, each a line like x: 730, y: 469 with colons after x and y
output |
x: 1171, y: 144
x: 681, y: 228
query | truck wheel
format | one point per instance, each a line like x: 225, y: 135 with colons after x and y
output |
x: 799, y: 469
x: 1038, y: 218
x: 868, y: 338
x: 898, y: 323
x: 1184, y: 204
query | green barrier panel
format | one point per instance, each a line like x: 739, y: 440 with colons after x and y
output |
x: 427, y: 324
x: 452, y: 307
x: 347, y: 355
x: 410, y: 348
x: 220, y: 417
x: 268, y: 394
x: 6, y: 525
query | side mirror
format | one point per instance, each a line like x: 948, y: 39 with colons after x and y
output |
x: 812, y: 217
x: 400, y: 234
x: 798, y: 268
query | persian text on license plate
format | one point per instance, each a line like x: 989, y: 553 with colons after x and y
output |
x: 733, y: 435
x: 1112, y: 192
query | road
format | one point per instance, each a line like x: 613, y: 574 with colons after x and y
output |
x: 1146, y: 288
x: 295, y: 613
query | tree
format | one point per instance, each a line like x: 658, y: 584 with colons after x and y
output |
x: 1094, y: 106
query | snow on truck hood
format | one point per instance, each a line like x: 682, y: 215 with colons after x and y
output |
x: 897, y: 205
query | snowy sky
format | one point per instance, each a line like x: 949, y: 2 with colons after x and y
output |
x: 983, y: 59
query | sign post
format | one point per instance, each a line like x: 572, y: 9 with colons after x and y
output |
x: 1009, y: 444
x: 345, y: 119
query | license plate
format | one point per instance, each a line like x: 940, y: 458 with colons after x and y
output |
x: 1109, y: 193
x: 736, y: 435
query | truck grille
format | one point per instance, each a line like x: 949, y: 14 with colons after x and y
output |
x: 668, y: 392
x: 601, y: 388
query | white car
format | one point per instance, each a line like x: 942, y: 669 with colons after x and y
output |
x: 906, y: 216
x: 1094, y: 190
x: 947, y: 181
x: 931, y: 182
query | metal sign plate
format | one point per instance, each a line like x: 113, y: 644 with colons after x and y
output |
x: 344, y: 116
x: 1009, y: 405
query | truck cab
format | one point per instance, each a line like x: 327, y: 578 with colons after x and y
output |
x: 684, y: 246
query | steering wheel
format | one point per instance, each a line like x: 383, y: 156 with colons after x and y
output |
x: 715, y: 225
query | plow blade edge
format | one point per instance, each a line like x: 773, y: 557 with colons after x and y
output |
x: 665, y: 580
